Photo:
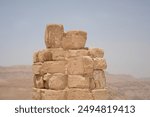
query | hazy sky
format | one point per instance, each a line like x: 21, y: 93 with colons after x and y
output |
x: 120, y: 27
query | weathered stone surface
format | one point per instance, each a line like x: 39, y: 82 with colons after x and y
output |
x: 100, y: 80
x: 76, y: 53
x: 100, y: 94
x: 74, y: 40
x: 58, y: 81
x: 75, y: 66
x: 87, y: 64
x: 38, y: 81
x: 36, y: 67
x: 35, y: 57
x: 96, y: 52
x: 79, y: 94
x: 44, y: 55
x: 100, y: 63
x: 53, y: 95
x: 46, y: 80
x: 36, y: 94
x: 53, y: 35
x: 53, y: 67
x: 92, y: 84
x: 57, y: 54
x: 78, y: 81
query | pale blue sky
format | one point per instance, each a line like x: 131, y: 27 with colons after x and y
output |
x: 120, y: 27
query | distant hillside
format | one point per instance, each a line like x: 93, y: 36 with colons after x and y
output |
x: 16, y: 83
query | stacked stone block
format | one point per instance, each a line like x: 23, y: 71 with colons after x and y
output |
x: 66, y: 69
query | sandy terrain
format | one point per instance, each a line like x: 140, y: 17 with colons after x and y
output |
x: 16, y: 83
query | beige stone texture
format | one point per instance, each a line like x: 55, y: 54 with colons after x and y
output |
x: 100, y: 63
x: 78, y: 81
x: 92, y: 84
x: 74, y: 40
x: 87, y: 64
x: 53, y: 35
x: 79, y: 94
x: 100, y: 94
x: 53, y: 94
x: 58, y: 54
x: 44, y: 55
x: 100, y: 80
x: 75, y: 66
x: 35, y: 57
x: 36, y: 94
x: 38, y: 81
x: 46, y: 80
x: 36, y: 67
x: 53, y: 67
x: 58, y: 81
x: 96, y: 52
x: 76, y: 53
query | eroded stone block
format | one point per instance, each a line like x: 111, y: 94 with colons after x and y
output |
x: 58, y: 81
x: 100, y: 63
x: 87, y: 64
x: 74, y: 40
x: 36, y: 67
x: 78, y: 81
x: 79, y: 94
x: 35, y: 57
x: 53, y: 35
x: 36, y: 94
x: 53, y: 95
x: 100, y: 94
x: 38, y: 81
x: 44, y: 55
x: 96, y: 52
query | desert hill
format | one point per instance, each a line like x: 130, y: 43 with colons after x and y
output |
x: 16, y: 83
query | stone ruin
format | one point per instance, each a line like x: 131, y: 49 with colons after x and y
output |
x: 66, y: 70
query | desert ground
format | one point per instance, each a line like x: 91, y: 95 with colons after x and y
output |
x: 16, y: 83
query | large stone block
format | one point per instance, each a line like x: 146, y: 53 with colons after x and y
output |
x: 100, y: 94
x: 100, y: 63
x: 99, y: 79
x: 58, y: 81
x: 53, y: 67
x: 74, y: 40
x: 78, y: 81
x: 46, y: 78
x: 44, y: 55
x: 76, y: 53
x: 53, y: 35
x: 36, y: 94
x: 80, y: 65
x: 53, y: 95
x: 38, y: 81
x: 79, y: 94
x: 96, y: 52
x: 35, y: 57
x: 58, y: 54
x: 36, y: 67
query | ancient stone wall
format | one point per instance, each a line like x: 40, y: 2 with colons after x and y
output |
x: 66, y: 70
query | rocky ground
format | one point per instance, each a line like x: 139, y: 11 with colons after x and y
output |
x: 16, y: 83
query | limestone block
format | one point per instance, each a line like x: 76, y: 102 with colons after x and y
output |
x: 96, y: 52
x: 75, y: 66
x: 38, y: 81
x: 100, y: 63
x: 46, y: 80
x: 53, y: 35
x: 79, y: 94
x: 87, y: 64
x: 35, y: 57
x: 36, y: 94
x: 53, y: 95
x: 100, y: 80
x: 92, y: 84
x: 76, y: 53
x: 78, y: 81
x: 57, y: 54
x: 74, y: 40
x: 36, y: 67
x: 44, y: 55
x: 100, y: 94
x: 53, y: 67
x: 58, y: 81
